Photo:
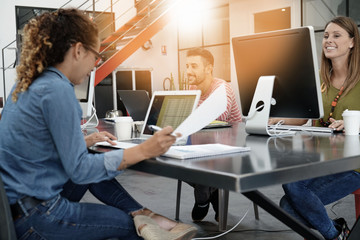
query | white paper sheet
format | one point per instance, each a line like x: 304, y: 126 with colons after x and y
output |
x: 207, y: 112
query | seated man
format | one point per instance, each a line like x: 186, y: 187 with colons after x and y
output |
x: 199, y: 65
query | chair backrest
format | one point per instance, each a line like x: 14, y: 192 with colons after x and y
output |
x: 7, y: 229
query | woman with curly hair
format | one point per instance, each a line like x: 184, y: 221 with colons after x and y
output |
x: 43, y: 153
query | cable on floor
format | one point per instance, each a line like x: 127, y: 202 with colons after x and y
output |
x: 263, y: 230
x: 224, y: 233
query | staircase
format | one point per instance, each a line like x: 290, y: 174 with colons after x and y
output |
x: 151, y: 17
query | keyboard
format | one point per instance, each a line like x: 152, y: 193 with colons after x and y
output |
x: 302, y: 128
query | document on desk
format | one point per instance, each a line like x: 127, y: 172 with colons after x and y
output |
x: 188, y: 151
x: 207, y: 112
x: 202, y: 150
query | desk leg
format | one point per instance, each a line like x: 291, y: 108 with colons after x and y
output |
x: 178, y: 198
x: 223, y: 208
x: 272, y: 208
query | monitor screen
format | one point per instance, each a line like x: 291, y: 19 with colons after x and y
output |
x: 290, y: 55
x: 85, y: 93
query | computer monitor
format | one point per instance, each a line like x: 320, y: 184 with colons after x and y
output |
x: 85, y: 94
x: 278, y: 70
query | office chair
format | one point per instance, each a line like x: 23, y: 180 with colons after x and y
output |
x: 178, y: 197
x: 7, y: 229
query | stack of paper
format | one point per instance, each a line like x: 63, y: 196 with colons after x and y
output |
x: 203, y: 150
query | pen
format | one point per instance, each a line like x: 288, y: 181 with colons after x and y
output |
x: 156, y: 128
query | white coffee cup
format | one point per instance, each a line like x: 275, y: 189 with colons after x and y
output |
x: 123, y: 127
x: 351, y: 146
x: 351, y: 122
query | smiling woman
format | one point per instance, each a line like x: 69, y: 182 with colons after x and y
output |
x: 340, y: 76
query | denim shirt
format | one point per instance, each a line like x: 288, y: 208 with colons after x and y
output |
x: 42, y: 145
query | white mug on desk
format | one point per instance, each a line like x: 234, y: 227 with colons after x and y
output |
x: 351, y: 122
x: 123, y: 127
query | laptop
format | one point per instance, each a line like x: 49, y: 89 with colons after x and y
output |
x: 136, y: 103
x: 167, y: 108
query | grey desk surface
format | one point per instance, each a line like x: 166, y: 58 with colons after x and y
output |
x: 271, y: 160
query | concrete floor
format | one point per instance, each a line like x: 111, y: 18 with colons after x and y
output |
x: 159, y: 195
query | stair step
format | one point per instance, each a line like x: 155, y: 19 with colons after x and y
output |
x: 131, y: 32
x: 148, y: 17
x: 142, y: 6
x: 123, y: 41
x: 105, y: 55
x: 119, y: 42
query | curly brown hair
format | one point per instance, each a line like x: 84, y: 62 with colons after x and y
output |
x: 46, y: 39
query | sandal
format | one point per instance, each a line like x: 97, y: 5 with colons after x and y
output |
x: 183, y: 231
x: 148, y: 229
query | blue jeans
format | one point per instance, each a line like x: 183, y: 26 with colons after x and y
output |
x: 63, y: 217
x: 109, y: 192
x: 306, y: 200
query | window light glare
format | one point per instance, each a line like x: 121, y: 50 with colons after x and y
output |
x: 190, y: 13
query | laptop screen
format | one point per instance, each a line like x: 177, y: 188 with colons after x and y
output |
x: 168, y: 109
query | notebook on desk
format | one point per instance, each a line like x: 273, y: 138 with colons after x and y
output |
x: 167, y: 108
x: 136, y: 103
x: 192, y: 151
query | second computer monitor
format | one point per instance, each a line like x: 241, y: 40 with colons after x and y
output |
x: 290, y: 56
x: 85, y: 94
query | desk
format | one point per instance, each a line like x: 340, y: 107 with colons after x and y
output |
x: 271, y: 161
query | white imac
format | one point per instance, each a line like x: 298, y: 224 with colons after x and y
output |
x: 278, y: 76
x: 85, y: 94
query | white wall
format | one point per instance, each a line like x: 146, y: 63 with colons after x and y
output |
x: 242, y: 21
x: 163, y: 65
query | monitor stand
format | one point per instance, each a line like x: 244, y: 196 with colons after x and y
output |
x: 258, y: 117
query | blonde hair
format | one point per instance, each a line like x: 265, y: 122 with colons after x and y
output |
x: 46, y: 39
x: 353, y: 61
